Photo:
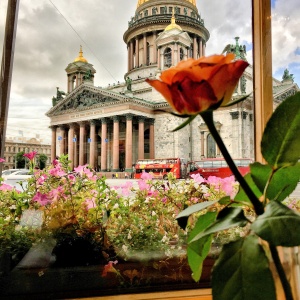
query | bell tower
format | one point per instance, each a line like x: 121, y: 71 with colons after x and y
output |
x: 79, y: 71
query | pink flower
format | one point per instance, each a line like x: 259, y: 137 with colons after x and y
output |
x: 153, y: 193
x: 126, y: 188
x: 198, y: 178
x: 55, y: 194
x: 90, y: 203
x: 57, y: 171
x: 2, y: 160
x: 42, y: 199
x: 30, y: 155
x: 55, y: 162
x: 146, y: 176
x: 80, y: 169
x: 72, y: 178
x: 222, y: 184
x: 109, y: 268
x: 143, y: 185
x: 42, y: 179
x: 5, y: 187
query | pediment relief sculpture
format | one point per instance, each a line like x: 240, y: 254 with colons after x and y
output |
x: 84, y: 99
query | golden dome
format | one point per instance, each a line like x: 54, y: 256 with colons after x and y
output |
x: 173, y: 24
x: 140, y: 2
x: 80, y: 57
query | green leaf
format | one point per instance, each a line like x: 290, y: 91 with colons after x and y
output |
x: 225, y: 200
x: 189, y: 120
x: 280, y: 143
x: 241, y: 195
x: 182, y: 217
x: 227, y: 218
x: 278, y: 225
x: 242, y: 272
x: 260, y: 174
x: 284, y: 182
x: 198, y: 251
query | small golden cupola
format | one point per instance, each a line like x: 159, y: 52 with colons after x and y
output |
x: 80, y: 57
x: 173, y: 24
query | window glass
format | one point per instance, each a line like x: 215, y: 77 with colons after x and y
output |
x: 45, y: 82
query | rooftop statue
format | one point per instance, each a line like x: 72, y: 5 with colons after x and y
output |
x: 87, y: 75
x: 287, y: 76
x: 128, y: 83
x: 59, y: 96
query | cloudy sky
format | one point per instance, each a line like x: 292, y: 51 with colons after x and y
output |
x: 50, y: 32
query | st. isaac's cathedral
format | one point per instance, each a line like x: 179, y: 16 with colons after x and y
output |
x: 110, y: 128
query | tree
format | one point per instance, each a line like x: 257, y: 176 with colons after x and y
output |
x: 21, y: 162
x: 42, y: 161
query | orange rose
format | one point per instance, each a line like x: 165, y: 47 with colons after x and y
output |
x: 194, y: 86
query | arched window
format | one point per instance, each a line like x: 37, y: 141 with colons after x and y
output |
x: 73, y: 82
x: 168, y: 58
x: 181, y: 54
x: 211, y: 146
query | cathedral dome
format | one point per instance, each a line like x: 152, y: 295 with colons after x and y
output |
x: 140, y: 2
x: 80, y: 57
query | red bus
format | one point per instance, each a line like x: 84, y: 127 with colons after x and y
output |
x: 217, y: 167
x: 160, y: 167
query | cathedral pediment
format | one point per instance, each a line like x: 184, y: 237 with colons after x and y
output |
x: 85, y: 98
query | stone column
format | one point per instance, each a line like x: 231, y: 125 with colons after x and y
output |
x: 202, y: 143
x: 200, y: 47
x: 203, y: 49
x: 173, y: 55
x: 128, y: 147
x: 131, y: 55
x: 151, y: 139
x: 154, y: 47
x: 81, y: 143
x: 141, y: 149
x: 93, y: 144
x: 176, y: 54
x: 137, y: 63
x: 62, y: 140
x: 115, y: 144
x: 158, y: 59
x: 104, y: 145
x: 76, y: 135
x: 195, y: 47
x: 128, y: 57
x: 71, y: 145
x: 53, y: 143
x: 145, y: 49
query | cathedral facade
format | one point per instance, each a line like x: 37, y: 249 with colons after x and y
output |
x: 110, y: 128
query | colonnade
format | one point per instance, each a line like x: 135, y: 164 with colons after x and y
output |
x: 138, y: 48
x: 81, y: 141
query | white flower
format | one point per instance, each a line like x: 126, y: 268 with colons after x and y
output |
x: 129, y: 237
x: 7, y: 218
x: 153, y: 213
x: 116, y: 206
x: 125, y: 248
x: 164, y: 239
x: 13, y: 207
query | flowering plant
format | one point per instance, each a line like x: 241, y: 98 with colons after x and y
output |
x: 142, y: 223
x: 242, y: 270
x: 59, y: 204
